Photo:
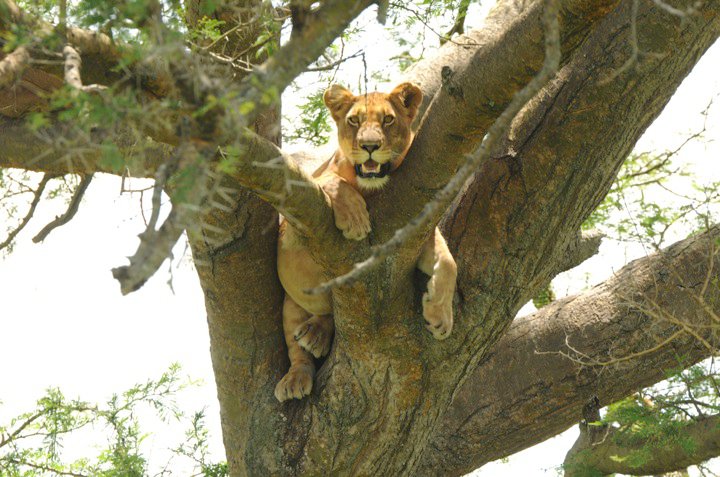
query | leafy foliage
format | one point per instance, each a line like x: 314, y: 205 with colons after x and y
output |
x: 32, y: 443
x: 656, y: 417
x: 632, y: 211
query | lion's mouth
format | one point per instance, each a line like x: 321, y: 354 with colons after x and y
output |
x: 371, y: 169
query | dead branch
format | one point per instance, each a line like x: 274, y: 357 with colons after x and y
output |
x: 433, y: 210
x: 69, y: 213
x: 31, y: 211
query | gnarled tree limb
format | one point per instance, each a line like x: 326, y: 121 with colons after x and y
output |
x: 494, y: 415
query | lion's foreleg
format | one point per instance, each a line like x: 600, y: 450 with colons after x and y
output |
x: 437, y: 262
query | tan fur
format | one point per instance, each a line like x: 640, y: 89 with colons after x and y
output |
x: 373, y: 130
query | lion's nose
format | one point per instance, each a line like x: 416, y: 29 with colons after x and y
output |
x: 370, y: 148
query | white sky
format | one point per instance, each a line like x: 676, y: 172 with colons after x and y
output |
x: 64, y: 323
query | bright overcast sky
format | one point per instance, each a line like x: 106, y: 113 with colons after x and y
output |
x: 64, y: 322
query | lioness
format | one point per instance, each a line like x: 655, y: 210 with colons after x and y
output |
x: 374, y: 135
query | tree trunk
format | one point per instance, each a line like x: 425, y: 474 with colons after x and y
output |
x: 389, y: 399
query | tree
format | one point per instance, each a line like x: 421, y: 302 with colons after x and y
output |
x: 171, y: 93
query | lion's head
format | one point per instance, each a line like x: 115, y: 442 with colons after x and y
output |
x: 374, y: 129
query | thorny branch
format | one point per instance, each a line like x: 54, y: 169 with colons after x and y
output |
x: 156, y: 244
x: 433, y: 209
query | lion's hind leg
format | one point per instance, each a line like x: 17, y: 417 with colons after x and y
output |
x: 315, y: 335
x: 298, y: 381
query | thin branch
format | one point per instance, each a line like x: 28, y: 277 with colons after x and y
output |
x: 382, y: 11
x: 69, y: 213
x: 690, y: 10
x: 62, y: 24
x: 443, y: 38
x: 14, y: 434
x: 586, y: 360
x: 31, y: 211
x: 336, y: 63
x: 433, y: 209
x: 46, y: 468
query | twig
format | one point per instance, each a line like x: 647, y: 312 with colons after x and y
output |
x: 332, y: 65
x: 586, y: 360
x: 72, y: 209
x: 62, y: 24
x: 14, y: 434
x: 46, y: 468
x: 33, y: 205
x: 443, y: 38
x: 634, y: 45
x: 433, y: 209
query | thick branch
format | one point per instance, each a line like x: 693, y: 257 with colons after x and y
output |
x: 533, y: 386
x: 610, y: 454
x: 60, y: 149
x: 564, y: 153
x: 585, y: 245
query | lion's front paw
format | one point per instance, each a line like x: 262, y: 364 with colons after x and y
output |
x: 438, y: 315
x: 352, y: 217
x: 315, y: 335
x: 296, y: 384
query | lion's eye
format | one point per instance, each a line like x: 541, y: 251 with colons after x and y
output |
x: 388, y: 120
x: 353, y: 121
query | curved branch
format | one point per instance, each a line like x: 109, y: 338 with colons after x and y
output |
x: 564, y: 152
x: 493, y: 416
x: 609, y: 455
x: 69, y: 213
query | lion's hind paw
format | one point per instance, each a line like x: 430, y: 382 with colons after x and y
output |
x: 296, y: 384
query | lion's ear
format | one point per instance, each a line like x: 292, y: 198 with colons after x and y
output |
x: 338, y: 100
x: 409, y: 97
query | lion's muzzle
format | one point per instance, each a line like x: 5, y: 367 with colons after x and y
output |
x: 371, y: 169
